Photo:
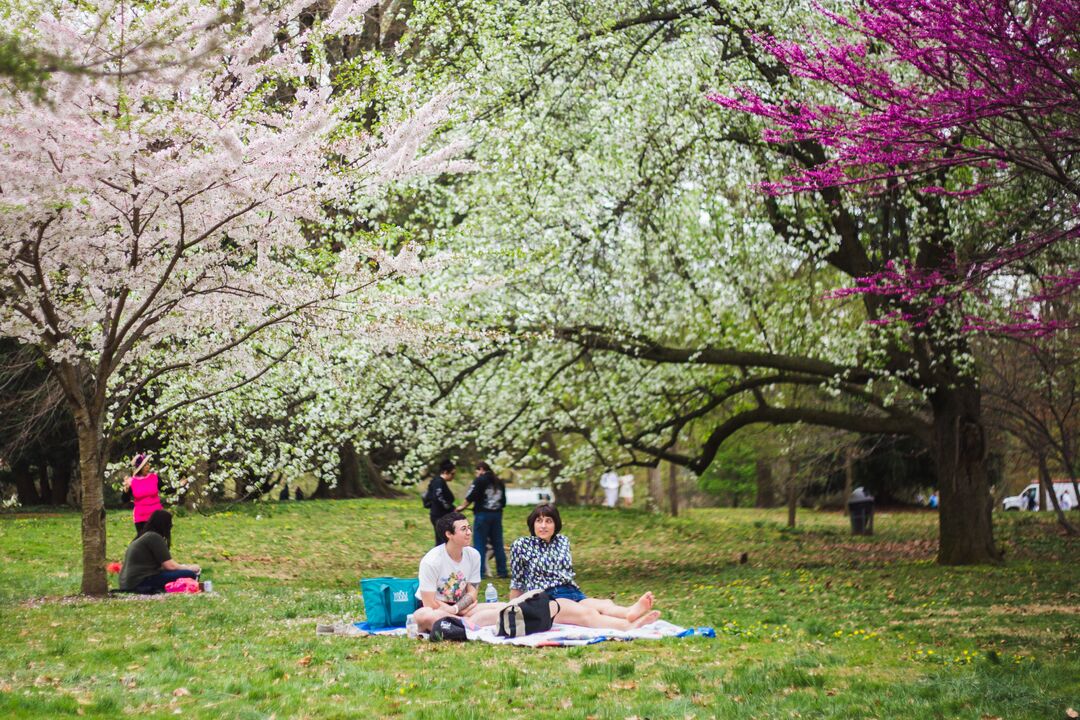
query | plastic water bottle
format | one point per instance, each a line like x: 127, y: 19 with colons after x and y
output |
x: 491, y: 594
x: 411, y: 628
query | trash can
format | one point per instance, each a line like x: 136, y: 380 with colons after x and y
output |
x: 861, y: 510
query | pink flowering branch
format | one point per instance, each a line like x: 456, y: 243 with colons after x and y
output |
x: 924, y: 87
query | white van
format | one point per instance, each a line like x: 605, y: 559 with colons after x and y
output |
x: 528, y: 496
x: 1031, y: 498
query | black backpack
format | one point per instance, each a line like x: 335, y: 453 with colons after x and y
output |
x: 426, y: 497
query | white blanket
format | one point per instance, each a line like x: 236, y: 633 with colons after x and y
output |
x: 560, y: 635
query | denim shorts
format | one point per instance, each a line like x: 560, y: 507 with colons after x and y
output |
x: 565, y: 592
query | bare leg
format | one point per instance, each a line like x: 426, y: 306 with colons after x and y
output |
x: 572, y: 613
x: 478, y: 615
x: 426, y: 617
x: 611, y: 609
x: 605, y: 607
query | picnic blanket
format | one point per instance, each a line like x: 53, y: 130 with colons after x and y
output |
x: 569, y: 635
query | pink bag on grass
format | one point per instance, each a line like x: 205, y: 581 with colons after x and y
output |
x: 183, y: 585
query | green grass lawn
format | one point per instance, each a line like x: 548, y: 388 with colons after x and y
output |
x: 817, y: 624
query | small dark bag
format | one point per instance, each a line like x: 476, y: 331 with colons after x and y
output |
x: 531, y: 616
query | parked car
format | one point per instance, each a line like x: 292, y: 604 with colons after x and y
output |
x: 1031, y: 497
x: 528, y: 496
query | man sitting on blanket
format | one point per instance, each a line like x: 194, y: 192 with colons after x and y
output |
x: 450, y: 573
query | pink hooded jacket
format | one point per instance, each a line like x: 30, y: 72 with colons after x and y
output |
x: 144, y: 490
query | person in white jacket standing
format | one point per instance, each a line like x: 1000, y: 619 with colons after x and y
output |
x: 610, y: 482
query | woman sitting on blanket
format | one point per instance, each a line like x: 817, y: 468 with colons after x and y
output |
x: 148, y: 566
x: 542, y: 562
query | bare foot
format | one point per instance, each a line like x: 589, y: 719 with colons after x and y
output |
x: 642, y: 606
x: 646, y: 619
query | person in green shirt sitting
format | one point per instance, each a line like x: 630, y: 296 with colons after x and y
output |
x: 148, y: 566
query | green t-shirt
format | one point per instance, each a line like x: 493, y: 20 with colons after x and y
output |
x: 143, y: 558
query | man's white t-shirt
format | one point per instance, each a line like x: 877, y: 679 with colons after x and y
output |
x: 448, y: 579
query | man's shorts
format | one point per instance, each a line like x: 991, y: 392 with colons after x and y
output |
x: 530, y: 616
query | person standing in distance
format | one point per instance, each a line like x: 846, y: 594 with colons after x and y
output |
x: 144, y: 489
x: 609, y: 481
x: 439, y: 498
x: 488, y: 493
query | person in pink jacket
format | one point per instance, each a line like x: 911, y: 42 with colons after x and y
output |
x: 144, y: 491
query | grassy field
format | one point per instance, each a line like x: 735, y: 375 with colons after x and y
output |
x: 817, y: 624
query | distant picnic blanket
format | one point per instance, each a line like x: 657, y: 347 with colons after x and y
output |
x: 569, y: 635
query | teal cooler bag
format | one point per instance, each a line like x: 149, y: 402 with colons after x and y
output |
x: 388, y: 600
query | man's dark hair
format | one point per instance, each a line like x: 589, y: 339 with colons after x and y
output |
x: 445, y: 524
x: 545, y: 510
x: 447, y: 466
x: 160, y: 522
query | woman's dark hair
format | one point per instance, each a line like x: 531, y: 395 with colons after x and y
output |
x: 545, y: 510
x: 445, y: 524
x: 447, y: 466
x: 495, y: 479
x: 160, y: 522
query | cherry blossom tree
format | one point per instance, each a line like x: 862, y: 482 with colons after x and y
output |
x: 169, y: 219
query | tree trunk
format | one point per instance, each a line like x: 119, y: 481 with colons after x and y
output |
x: 43, y: 482
x: 966, y: 534
x: 566, y: 493
x: 1048, y: 489
x: 673, y: 489
x: 849, y: 476
x: 193, y: 496
x: 766, y: 493
x: 652, y: 502
x: 792, y: 499
x: 24, y: 484
x: 348, y: 485
x: 375, y: 485
x: 61, y: 481
x: 92, y: 479
x: 322, y: 490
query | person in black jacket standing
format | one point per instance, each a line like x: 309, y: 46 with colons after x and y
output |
x: 439, y: 499
x: 488, y: 493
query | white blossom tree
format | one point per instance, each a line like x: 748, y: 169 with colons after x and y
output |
x: 620, y: 216
x: 164, y: 219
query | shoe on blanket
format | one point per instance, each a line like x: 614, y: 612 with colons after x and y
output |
x: 448, y: 628
x: 321, y: 629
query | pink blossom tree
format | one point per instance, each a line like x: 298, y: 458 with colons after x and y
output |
x: 161, y: 220
x: 946, y: 97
